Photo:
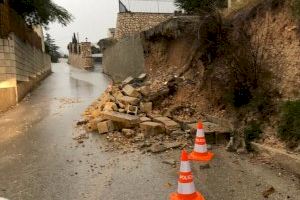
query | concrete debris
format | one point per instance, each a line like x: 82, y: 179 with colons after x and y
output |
x: 170, y: 125
x: 133, y: 110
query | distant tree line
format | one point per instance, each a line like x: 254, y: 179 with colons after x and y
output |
x: 52, y: 49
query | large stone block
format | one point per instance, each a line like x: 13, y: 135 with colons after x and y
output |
x: 125, y: 119
x: 128, y: 100
x: 169, y: 124
x: 106, y: 126
x: 110, y: 106
x: 146, y: 107
x: 152, y: 128
x: 131, y: 91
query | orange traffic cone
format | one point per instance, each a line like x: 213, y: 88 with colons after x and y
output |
x: 186, y: 187
x: 200, y: 152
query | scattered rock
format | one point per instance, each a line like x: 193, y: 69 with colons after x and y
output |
x: 204, y: 166
x: 177, y: 133
x: 230, y: 145
x: 128, y: 100
x: 128, y: 133
x: 170, y: 125
x: 242, y: 150
x: 146, y: 107
x: 157, y: 148
x: 83, y: 122
x: 110, y: 106
x: 169, y: 162
x: 268, y: 192
x: 126, y: 119
x: 172, y: 145
x: 145, y: 119
x: 131, y: 91
x: 144, y: 90
x: 142, y: 77
x: 209, y: 147
x: 152, y: 128
x: 106, y: 126
x: 128, y: 80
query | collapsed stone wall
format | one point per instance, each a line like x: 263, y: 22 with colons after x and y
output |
x: 125, y: 58
x: 129, y: 23
x: 19, y: 63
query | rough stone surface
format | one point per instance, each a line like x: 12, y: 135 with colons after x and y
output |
x: 157, y: 148
x: 144, y: 90
x: 172, y: 145
x: 110, y: 106
x: 94, y: 123
x: 169, y: 124
x: 145, y: 119
x: 128, y: 100
x: 152, y: 128
x: 131, y: 91
x: 128, y: 133
x: 146, y: 107
x: 106, y: 126
x: 126, y: 119
x: 128, y: 80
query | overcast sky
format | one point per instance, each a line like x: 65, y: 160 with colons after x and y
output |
x: 92, y: 20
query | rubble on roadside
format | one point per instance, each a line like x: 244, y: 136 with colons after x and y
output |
x: 125, y: 114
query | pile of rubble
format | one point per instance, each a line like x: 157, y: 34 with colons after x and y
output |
x: 125, y: 113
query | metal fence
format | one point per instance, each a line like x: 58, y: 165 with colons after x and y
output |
x: 147, y: 6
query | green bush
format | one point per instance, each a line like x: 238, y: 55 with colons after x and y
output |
x: 289, y: 127
x: 251, y: 132
x: 197, y: 6
x: 296, y: 7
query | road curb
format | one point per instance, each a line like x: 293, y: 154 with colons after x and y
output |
x: 286, y: 160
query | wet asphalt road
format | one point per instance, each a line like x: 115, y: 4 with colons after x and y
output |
x: 39, y: 160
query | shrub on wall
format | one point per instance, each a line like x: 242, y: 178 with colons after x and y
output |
x: 289, y: 128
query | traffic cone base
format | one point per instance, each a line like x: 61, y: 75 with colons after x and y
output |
x: 195, y: 196
x: 204, y: 157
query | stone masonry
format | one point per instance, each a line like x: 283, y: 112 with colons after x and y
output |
x: 21, y: 66
x: 129, y: 23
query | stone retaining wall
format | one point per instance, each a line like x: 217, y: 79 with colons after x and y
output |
x: 129, y: 23
x: 19, y: 63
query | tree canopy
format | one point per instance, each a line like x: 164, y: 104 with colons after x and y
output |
x: 40, y: 12
x: 197, y: 6
x: 51, y: 48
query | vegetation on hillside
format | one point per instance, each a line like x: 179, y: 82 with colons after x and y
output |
x: 40, y: 12
x: 289, y: 128
x: 198, y: 6
x: 51, y: 48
